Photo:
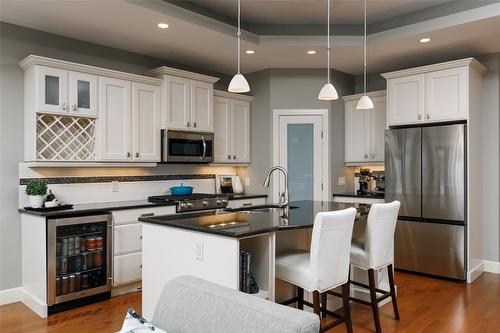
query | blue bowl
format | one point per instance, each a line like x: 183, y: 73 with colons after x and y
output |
x: 181, y: 190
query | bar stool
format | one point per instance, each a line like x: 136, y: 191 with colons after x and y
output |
x: 376, y: 251
x: 325, y: 267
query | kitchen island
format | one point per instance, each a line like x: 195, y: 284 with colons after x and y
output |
x: 207, y: 245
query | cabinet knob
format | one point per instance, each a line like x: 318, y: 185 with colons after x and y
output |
x: 373, y: 156
x: 234, y: 157
x: 428, y: 116
x: 75, y: 107
x: 194, y: 124
x: 137, y: 155
x: 188, y: 124
x: 64, y: 106
x: 419, y: 117
x: 228, y: 157
x: 128, y: 155
x: 366, y: 156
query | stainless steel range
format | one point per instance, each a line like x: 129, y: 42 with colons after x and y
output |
x: 193, y: 202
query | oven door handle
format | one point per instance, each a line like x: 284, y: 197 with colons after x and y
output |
x: 204, y: 148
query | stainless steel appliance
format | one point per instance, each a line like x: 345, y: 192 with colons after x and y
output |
x: 192, y: 202
x: 78, y: 260
x: 187, y: 147
x: 425, y: 171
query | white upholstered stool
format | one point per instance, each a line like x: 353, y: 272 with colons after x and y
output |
x: 376, y: 251
x: 326, y: 266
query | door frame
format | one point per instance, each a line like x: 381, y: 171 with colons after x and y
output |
x: 324, y: 113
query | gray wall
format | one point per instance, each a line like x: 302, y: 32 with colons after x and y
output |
x: 294, y: 88
x: 15, y: 44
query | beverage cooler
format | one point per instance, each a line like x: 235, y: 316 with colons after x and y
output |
x: 79, y: 260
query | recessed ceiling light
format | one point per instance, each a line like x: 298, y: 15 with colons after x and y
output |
x: 162, y: 25
x: 425, y: 40
x: 311, y: 52
x: 250, y: 52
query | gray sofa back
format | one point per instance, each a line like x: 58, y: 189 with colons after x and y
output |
x: 190, y: 305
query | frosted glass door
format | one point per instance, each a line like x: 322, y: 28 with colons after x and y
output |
x: 83, y: 94
x: 52, y: 90
x: 301, y: 155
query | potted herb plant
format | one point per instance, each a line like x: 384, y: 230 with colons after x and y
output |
x: 36, y: 190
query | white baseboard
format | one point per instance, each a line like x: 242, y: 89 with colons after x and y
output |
x: 127, y: 288
x: 11, y: 295
x: 364, y: 294
x: 491, y: 266
x: 35, y: 304
x: 475, y: 272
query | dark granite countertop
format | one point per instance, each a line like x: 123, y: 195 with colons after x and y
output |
x: 104, y: 207
x: 247, y: 223
x: 352, y: 195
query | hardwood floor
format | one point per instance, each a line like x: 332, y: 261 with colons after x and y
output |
x: 425, y: 305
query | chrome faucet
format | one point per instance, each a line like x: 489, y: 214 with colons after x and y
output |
x: 283, y: 202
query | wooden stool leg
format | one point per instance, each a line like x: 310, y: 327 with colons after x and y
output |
x: 323, y: 304
x: 316, y: 305
x: 393, y: 291
x: 347, y: 312
x: 373, y: 299
x: 300, y: 296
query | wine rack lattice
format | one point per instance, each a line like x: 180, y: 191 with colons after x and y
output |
x: 65, y: 138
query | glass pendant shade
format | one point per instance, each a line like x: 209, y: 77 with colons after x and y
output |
x: 238, y: 84
x: 364, y: 103
x: 328, y: 93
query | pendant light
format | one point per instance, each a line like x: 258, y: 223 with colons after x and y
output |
x: 328, y: 91
x: 239, y: 84
x: 364, y: 103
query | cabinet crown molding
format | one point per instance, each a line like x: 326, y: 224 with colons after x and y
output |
x: 164, y: 70
x: 32, y: 60
x: 379, y: 93
x: 240, y: 97
x: 471, y: 62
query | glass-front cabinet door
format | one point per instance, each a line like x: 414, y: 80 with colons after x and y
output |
x: 52, y: 90
x: 83, y: 94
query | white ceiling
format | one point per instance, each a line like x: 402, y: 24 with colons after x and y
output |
x: 196, y: 40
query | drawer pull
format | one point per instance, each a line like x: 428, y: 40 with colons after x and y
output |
x: 246, y: 204
x: 140, y: 237
x: 148, y: 215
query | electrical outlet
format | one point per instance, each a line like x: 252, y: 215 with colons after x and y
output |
x: 341, y: 181
x: 199, y: 250
x: 114, y: 186
x: 247, y: 181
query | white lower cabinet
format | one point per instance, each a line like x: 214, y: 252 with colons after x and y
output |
x: 127, y: 242
x: 127, y: 268
x: 231, y: 128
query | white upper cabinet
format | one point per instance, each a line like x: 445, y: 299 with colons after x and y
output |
x: 52, y: 92
x: 115, y: 106
x: 187, y: 99
x: 405, y: 96
x: 146, y: 122
x: 364, y: 129
x: 83, y: 94
x: 241, y: 131
x: 434, y: 93
x: 177, y: 102
x: 446, y: 94
x: 231, y: 127
x: 202, y: 117
x: 76, y: 113
x: 222, y: 129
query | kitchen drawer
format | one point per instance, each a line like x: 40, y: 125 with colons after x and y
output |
x: 132, y: 215
x: 127, y: 238
x: 246, y: 202
x: 127, y: 268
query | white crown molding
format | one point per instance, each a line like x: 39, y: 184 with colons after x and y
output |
x: 89, y: 164
x: 32, y: 60
x: 471, y: 62
x: 240, y: 97
x: 378, y: 93
x: 164, y: 70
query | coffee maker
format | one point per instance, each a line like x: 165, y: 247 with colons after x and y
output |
x: 365, y: 176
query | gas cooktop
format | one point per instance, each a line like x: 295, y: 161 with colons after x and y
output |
x: 193, y: 202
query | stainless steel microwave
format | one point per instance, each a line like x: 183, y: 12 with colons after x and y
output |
x: 186, y: 147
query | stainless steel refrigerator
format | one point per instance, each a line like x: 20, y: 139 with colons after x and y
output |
x: 425, y: 170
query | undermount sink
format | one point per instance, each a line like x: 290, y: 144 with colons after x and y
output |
x: 259, y: 208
